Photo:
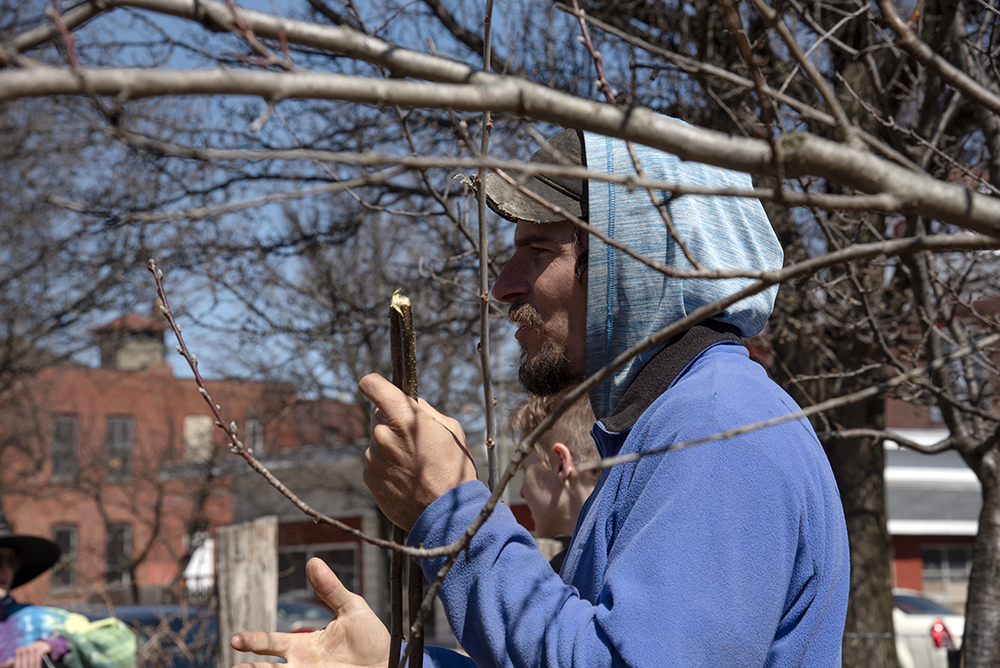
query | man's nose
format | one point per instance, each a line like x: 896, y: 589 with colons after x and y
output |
x: 509, y: 284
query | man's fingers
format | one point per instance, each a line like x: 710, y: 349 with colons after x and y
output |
x: 261, y: 642
x: 330, y: 589
x: 378, y: 390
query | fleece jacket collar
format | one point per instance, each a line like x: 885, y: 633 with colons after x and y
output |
x: 661, y: 371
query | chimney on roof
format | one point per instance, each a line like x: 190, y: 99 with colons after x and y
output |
x: 132, y: 342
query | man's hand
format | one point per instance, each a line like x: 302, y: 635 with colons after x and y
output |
x: 29, y: 656
x: 357, y: 637
x: 416, y: 454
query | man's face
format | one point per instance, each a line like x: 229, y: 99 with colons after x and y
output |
x: 549, y: 303
x: 8, y: 567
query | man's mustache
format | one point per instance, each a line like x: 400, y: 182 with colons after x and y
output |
x: 525, y: 315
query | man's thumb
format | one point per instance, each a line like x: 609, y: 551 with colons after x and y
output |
x: 330, y: 589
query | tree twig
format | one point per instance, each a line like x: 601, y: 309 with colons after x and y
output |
x: 403, y: 353
x: 803, y: 154
x: 489, y: 401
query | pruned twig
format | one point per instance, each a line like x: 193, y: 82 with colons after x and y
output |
x: 403, y: 353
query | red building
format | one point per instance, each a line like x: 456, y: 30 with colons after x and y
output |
x: 124, y: 467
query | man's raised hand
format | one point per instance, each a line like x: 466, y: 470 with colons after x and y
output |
x: 416, y: 454
x: 357, y: 637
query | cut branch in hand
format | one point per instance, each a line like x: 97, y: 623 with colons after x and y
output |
x: 403, y: 351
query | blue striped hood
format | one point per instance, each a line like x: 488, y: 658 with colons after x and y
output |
x: 628, y: 301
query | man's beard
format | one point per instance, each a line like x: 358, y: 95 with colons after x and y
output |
x: 549, y: 372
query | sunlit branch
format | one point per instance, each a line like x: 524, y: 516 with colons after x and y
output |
x: 882, y: 435
x: 693, y: 66
x: 673, y: 271
x: 802, y: 154
x: 881, y: 202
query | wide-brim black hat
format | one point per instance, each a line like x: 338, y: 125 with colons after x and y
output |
x: 36, y: 554
x: 570, y: 194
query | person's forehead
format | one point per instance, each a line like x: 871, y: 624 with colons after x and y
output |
x: 526, y: 231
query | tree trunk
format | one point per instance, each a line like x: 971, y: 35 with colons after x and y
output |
x: 858, y: 465
x: 981, y: 640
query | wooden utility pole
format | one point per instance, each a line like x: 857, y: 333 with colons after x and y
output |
x: 246, y: 576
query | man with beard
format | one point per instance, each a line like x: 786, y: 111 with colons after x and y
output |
x: 697, y: 551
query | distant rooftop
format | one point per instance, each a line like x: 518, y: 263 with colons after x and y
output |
x: 133, y: 322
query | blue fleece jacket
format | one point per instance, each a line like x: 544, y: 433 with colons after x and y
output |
x: 725, y: 553
x: 728, y: 553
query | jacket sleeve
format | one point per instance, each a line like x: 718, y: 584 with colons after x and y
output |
x: 504, y: 602
x: 697, y: 572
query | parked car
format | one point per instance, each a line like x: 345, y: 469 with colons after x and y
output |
x: 926, y: 631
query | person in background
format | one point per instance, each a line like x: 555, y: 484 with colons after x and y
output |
x: 553, y: 486
x: 27, y: 632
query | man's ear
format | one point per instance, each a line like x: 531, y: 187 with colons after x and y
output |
x: 565, y: 466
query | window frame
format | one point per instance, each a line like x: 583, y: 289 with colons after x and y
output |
x: 123, y: 577
x: 253, y: 430
x: 66, y: 451
x: 953, y: 582
x: 67, y: 563
x: 117, y: 447
x: 202, y: 427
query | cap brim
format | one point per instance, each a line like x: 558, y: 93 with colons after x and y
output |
x: 37, y: 555
x: 508, y: 201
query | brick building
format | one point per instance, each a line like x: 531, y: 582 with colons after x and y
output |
x: 123, y: 466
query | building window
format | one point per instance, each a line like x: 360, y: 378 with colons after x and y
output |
x: 342, y: 558
x: 119, y: 446
x: 253, y: 435
x: 65, y: 446
x: 118, y: 554
x: 198, y: 438
x: 64, y: 572
x: 946, y: 573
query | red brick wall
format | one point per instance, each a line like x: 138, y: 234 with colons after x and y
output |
x: 157, y: 510
x: 907, y: 565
